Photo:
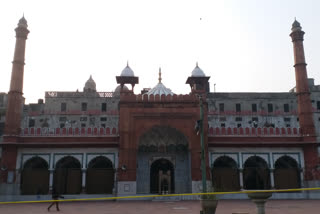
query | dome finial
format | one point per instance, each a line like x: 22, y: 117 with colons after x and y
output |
x: 197, y: 64
x: 160, y: 75
x: 127, y: 63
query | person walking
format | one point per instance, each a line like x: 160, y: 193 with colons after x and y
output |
x: 55, y: 196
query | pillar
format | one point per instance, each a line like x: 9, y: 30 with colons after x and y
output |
x: 51, y: 171
x: 272, y: 178
x: 241, y: 178
x: 84, y: 173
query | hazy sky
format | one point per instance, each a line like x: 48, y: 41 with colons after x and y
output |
x: 244, y: 45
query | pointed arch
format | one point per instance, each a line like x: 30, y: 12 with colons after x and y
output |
x: 256, y: 173
x: 225, y: 174
x: 67, y: 176
x: 100, y: 176
x: 35, y: 177
x: 286, y: 173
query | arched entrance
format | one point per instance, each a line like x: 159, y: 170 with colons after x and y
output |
x: 171, y: 146
x: 256, y: 173
x: 162, y: 177
x: 225, y: 174
x: 35, y: 177
x: 286, y: 173
x: 68, y: 176
x: 100, y: 176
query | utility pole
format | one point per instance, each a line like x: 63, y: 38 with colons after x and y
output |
x: 203, y: 163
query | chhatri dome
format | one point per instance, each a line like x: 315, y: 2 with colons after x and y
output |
x: 160, y: 88
x: 90, y: 85
x: 197, y: 72
x: 127, y: 72
x: 296, y: 26
x: 23, y: 22
x: 116, y: 92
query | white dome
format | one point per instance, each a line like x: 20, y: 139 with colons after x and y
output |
x: 197, y: 72
x: 160, y: 89
x: 127, y: 72
x: 90, y: 85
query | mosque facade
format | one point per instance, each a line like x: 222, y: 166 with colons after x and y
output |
x: 122, y: 143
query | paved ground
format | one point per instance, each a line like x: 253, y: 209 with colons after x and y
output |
x: 151, y: 207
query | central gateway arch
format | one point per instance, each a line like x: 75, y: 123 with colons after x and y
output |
x: 163, y: 162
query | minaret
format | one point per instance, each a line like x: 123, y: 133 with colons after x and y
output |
x: 13, y: 114
x: 302, y: 88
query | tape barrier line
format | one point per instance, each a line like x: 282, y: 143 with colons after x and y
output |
x: 167, y: 195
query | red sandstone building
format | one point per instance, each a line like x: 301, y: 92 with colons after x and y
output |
x: 119, y: 142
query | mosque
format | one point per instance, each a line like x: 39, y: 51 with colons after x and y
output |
x: 122, y: 143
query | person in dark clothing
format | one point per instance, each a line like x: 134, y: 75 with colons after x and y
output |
x: 55, y: 196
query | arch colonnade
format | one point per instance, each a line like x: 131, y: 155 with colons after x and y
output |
x: 253, y: 170
x: 68, y: 173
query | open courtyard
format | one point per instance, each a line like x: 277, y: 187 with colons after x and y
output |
x: 162, y: 207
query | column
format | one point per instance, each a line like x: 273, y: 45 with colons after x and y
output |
x: 241, y: 178
x: 51, y: 179
x: 84, y: 172
x: 272, y: 178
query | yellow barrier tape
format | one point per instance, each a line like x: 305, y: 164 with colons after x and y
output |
x: 167, y: 195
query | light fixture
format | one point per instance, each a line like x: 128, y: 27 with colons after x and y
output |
x: 123, y: 167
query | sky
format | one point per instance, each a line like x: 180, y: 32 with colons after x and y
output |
x: 244, y: 46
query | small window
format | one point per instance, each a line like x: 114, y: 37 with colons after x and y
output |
x: 221, y: 107
x: 287, y: 119
x: 62, y: 119
x: 83, y: 119
x: 239, y: 125
x: 286, y: 107
x: 84, y: 106
x: 63, y: 106
x: 62, y: 125
x: 103, y: 119
x: 297, y: 118
x: 92, y: 121
x: 103, y: 125
x: 32, y: 122
x: 222, y: 119
x: 83, y: 125
x: 254, y: 107
x: 223, y: 125
x: 238, y: 119
x: 255, y: 119
x: 318, y: 105
x: 103, y: 107
x: 288, y: 125
x: 270, y: 107
x: 238, y: 107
